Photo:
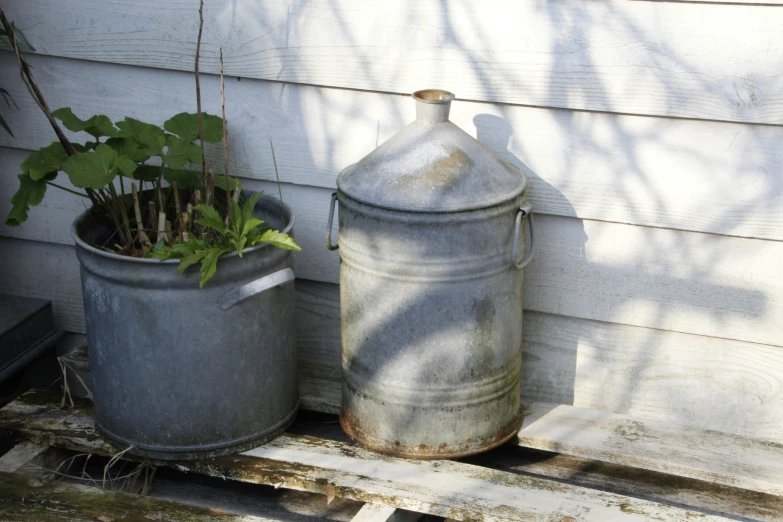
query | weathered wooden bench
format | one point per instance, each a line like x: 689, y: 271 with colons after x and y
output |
x: 608, y: 467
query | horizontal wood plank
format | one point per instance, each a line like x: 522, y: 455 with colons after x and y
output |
x: 47, y: 271
x: 654, y: 445
x: 714, y: 384
x: 29, y: 499
x: 20, y: 456
x: 443, y: 488
x: 690, y: 175
x: 662, y: 446
x: 654, y: 58
x: 710, y: 497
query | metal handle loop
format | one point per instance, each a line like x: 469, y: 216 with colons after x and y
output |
x: 524, y: 211
x: 329, y: 244
x: 252, y: 288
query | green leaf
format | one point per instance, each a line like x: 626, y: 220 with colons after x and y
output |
x: 150, y: 138
x: 185, y: 125
x: 146, y: 173
x: 184, y: 178
x: 159, y: 251
x: 220, y: 182
x: 21, y: 35
x: 191, y: 260
x: 98, y: 125
x: 209, y: 264
x: 30, y: 193
x: 124, y: 165
x: 5, y: 126
x: 249, y: 205
x: 92, y: 169
x: 7, y: 96
x: 210, y: 218
x: 276, y: 238
x: 90, y: 145
x: 236, y: 217
x: 181, y: 152
x: 250, y: 224
x: 128, y: 147
x: 47, y: 159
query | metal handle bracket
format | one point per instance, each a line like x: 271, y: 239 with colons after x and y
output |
x: 329, y: 244
x: 252, y: 288
x: 525, y: 211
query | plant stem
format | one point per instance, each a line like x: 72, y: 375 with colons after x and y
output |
x: 27, y: 78
x: 198, y: 101
x: 162, y: 227
x: 38, y: 97
x: 115, y: 214
x: 143, y: 239
x: 152, y: 214
x: 277, y: 175
x: 225, y: 142
x: 68, y: 190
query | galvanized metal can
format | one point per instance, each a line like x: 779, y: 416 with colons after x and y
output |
x: 430, y: 228
x: 181, y: 372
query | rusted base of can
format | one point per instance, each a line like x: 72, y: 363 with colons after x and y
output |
x: 425, y: 452
x: 201, y: 451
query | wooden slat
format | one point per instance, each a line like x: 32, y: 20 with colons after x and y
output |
x: 667, y: 447
x: 687, y: 282
x: 44, y: 270
x: 662, y: 446
x: 19, y: 456
x: 379, y: 513
x: 714, y: 384
x: 285, y: 505
x: 28, y: 499
x: 659, y: 487
x: 654, y: 58
x: 443, y: 488
x: 683, y: 174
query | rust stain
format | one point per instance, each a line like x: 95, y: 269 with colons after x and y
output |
x: 444, y: 450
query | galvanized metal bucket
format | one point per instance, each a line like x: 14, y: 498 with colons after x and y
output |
x: 430, y: 228
x: 181, y: 372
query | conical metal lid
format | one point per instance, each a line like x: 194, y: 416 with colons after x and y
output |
x: 432, y: 166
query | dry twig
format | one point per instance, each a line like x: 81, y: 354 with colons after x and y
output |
x: 143, y: 238
x: 207, y: 195
x: 225, y: 142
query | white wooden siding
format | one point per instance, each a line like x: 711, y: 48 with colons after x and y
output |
x: 666, y: 279
x: 658, y: 58
x: 712, y: 383
x: 691, y: 175
x: 656, y: 289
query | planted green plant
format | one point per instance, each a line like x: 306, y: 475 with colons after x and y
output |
x: 191, y: 214
x: 137, y: 152
x: 244, y: 232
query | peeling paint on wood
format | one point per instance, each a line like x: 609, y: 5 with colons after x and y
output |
x: 658, y: 446
x: 443, y: 488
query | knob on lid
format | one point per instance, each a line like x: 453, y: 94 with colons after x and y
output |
x: 432, y: 165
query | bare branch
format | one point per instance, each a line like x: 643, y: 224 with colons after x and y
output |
x: 225, y: 142
x: 198, y: 100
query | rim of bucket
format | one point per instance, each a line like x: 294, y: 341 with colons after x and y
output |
x: 109, y: 255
